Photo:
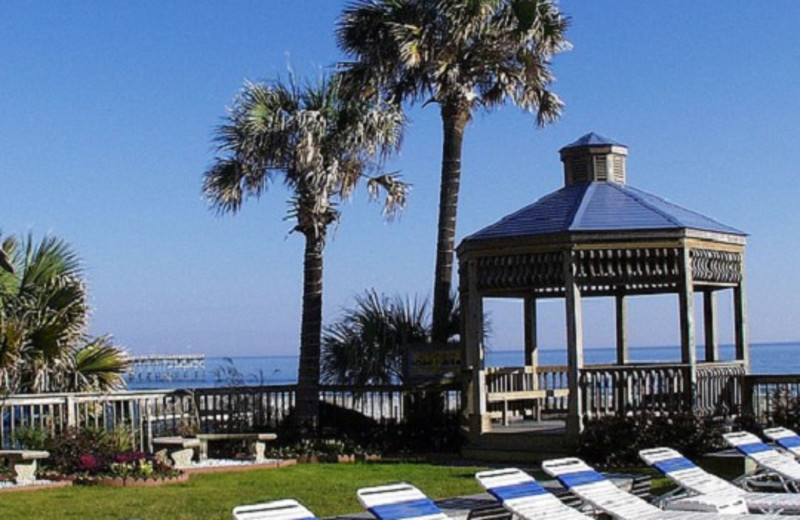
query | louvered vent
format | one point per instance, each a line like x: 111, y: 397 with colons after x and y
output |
x: 600, y: 168
x: 578, y: 171
x: 618, y: 175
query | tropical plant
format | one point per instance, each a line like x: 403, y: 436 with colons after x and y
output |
x: 44, y: 315
x: 320, y: 145
x: 369, y: 343
x: 461, y: 55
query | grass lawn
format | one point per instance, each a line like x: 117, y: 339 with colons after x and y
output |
x: 326, y: 489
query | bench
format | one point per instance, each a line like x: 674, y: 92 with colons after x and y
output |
x: 181, y: 449
x: 23, y: 463
x: 257, y: 445
x: 535, y: 396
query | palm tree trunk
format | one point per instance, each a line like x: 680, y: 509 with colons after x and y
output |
x: 454, y: 120
x: 307, y: 404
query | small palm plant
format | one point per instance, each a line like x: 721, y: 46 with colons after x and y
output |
x: 367, y: 345
x: 320, y: 145
x: 44, y: 315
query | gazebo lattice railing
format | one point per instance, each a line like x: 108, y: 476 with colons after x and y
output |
x: 640, y: 270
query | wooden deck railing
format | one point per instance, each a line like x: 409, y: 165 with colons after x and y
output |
x: 524, y: 391
x: 719, y: 387
x: 149, y: 414
x: 142, y: 414
x: 770, y: 398
x: 614, y: 389
x: 661, y: 388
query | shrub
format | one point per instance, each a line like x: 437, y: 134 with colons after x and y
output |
x: 29, y: 438
x: 615, y: 441
x: 93, y: 452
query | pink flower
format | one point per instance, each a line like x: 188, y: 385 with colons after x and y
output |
x: 89, y: 462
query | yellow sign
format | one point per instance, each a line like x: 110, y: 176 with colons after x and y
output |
x: 428, y: 362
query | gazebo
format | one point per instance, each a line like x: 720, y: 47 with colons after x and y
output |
x: 600, y: 237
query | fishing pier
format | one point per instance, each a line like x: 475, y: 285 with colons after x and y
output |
x: 166, y: 367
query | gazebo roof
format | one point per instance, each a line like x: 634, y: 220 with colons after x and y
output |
x: 596, y: 198
x: 592, y: 139
x: 599, y: 206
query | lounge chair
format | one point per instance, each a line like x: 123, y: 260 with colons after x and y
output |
x: 276, y: 510
x: 399, y: 502
x: 699, y: 485
x: 605, y: 496
x: 785, y: 438
x: 769, y: 460
x: 522, y: 496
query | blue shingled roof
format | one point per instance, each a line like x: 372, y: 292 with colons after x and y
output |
x: 599, y: 206
x: 593, y: 139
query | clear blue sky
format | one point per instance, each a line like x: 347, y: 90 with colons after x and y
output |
x: 107, y: 109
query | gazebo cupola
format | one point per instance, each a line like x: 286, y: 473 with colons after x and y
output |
x: 600, y: 237
x: 593, y: 158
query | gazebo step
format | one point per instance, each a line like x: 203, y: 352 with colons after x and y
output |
x: 528, y: 447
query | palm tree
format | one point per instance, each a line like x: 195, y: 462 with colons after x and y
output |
x: 320, y: 145
x: 44, y: 314
x: 461, y: 55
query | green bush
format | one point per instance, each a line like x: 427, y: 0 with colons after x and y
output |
x: 616, y: 441
x: 29, y: 438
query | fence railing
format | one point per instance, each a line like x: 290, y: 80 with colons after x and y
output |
x: 661, y: 388
x: 521, y: 391
x: 142, y: 414
x: 616, y: 389
x: 719, y: 387
x: 771, y: 398
x: 148, y: 414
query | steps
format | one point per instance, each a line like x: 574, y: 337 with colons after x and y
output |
x: 518, y: 447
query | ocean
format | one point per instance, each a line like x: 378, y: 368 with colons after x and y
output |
x: 765, y: 358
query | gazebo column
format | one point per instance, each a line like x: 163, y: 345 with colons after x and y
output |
x: 710, y: 324
x: 473, y: 362
x: 622, y: 329
x: 740, y: 324
x: 532, y: 351
x: 531, y: 343
x: 574, y: 348
x: 688, y: 347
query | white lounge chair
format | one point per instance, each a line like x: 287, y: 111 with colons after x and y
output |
x: 769, y: 459
x: 699, y: 485
x: 521, y: 495
x: 276, y: 510
x: 785, y: 438
x: 399, y: 502
x: 605, y: 496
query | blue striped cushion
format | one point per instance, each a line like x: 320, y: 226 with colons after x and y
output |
x: 580, y: 478
x: 523, y: 489
x: 401, y: 510
x: 677, y: 464
x: 756, y: 447
x: 790, y: 442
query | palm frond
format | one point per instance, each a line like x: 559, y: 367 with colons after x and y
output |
x: 99, y: 365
